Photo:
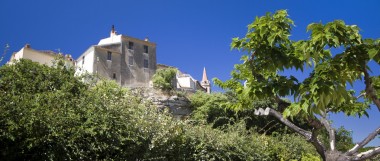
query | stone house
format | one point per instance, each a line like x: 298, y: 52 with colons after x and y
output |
x: 129, y: 61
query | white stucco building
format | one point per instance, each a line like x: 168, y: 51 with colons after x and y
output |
x: 187, y: 82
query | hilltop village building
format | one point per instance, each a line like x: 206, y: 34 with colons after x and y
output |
x: 187, y: 83
x: 129, y: 61
x: 46, y: 57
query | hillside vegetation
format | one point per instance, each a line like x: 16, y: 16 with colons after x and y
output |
x: 47, y: 113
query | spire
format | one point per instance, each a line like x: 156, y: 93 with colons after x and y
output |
x: 205, y: 82
x: 204, y: 78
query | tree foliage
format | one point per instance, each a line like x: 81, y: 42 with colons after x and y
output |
x: 271, y: 54
x: 214, y: 109
x: 163, y: 79
x: 46, y: 113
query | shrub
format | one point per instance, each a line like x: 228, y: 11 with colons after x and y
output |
x: 48, y: 114
x: 163, y: 79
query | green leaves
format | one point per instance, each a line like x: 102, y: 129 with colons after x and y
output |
x: 270, y: 52
x: 49, y: 114
x: 163, y: 79
x: 372, y: 53
x: 267, y: 41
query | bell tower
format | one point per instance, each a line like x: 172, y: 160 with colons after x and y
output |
x: 205, y: 82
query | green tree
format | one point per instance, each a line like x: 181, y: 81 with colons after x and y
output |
x: 211, y: 108
x: 163, y: 79
x: 34, y: 102
x: 270, y: 53
x: 215, y: 108
x: 47, y: 113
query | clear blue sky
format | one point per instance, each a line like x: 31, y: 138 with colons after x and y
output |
x: 189, y: 34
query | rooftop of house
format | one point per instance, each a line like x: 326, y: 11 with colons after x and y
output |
x: 116, y: 39
x: 49, y: 52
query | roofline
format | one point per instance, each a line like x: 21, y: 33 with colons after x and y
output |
x: 48, y: 52
x: 141, y: 41
x: 85, y: 52
x: 94, y: 47
x: 115, y: 43
x: 100, y: 47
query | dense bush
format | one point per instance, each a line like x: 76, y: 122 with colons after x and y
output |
x: 211, y: 108
x: 163, y: 79
x: 236, y: 143
x: 48, y: 114
x: 215, y: 108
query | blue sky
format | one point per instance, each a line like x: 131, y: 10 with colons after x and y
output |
x: 189, y: 34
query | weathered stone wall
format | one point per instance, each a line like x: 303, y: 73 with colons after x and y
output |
x: 179, y: 106
x: 136, y: 75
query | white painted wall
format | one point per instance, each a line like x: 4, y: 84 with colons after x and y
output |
x: 110, y: 40
x: 186, y: 82
x: 88, y: 65
x: 42, y: 58
x: 19, y: 54
x: 37, y: 56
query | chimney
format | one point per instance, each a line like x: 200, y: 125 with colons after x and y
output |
x: 113, y: 32
x: 27, y: 46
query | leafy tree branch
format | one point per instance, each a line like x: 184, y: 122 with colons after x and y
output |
x: 270, y: 53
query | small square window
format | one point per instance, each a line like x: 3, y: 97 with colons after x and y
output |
x: 130, y: 60
x: 109, y: 55
x: 146, y: 49
x: 130, y: 45
x: 146, y: 63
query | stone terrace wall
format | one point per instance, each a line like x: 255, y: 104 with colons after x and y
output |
x: 179, y: 106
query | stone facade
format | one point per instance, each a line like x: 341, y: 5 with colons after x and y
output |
x: 129, y: 61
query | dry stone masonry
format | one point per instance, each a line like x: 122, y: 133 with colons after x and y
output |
x: 179, y: 106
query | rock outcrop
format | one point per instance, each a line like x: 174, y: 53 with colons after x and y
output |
x: 179, y: 106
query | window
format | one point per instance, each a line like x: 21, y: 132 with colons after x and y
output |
x: 109, y: 55
x: 146, y: 63
x: 145, y: 49
x: 114, y: 76
x: 82, y: 59
x: 130, y: 45
x: 130, y: 60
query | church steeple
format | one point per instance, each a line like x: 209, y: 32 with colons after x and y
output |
x: 205, y: 82
x: 204, y: 78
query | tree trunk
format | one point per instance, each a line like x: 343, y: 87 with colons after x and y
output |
x: 312, y: 137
